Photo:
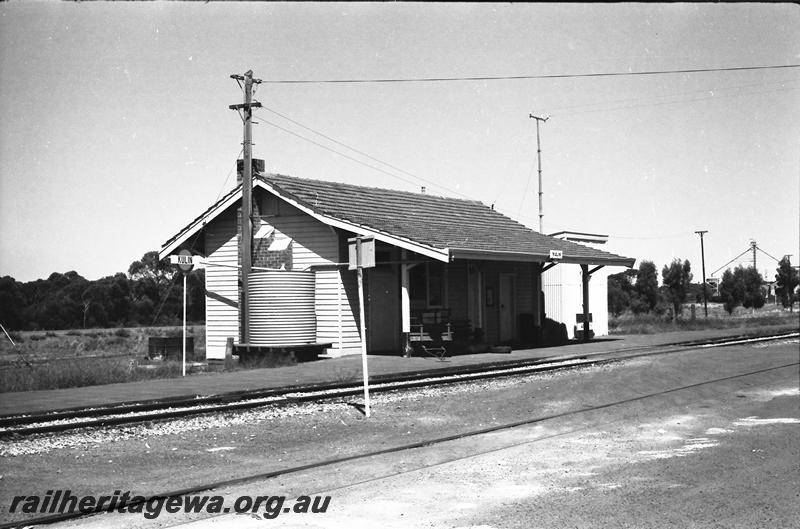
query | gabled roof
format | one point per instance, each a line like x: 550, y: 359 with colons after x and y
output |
x: 439, y: 227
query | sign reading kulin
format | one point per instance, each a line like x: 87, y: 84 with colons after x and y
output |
x: 556, y: 255
x: 185, y: 260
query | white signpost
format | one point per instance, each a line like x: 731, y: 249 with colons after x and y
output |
x: 185, y: 261
x: 362, y: 255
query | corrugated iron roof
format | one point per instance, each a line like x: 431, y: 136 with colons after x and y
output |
x: 465, y: 228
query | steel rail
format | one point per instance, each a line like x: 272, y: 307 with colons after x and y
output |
x: 43, y: 520
x: 155, y: 410
x: 183, y: 401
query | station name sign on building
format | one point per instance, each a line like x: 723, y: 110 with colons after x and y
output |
x: 185, y: 260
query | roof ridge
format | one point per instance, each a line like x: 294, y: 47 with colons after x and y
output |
x: 266, y: 177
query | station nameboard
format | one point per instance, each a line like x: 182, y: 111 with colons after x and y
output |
x: 366, y: 257
x: 556, y: 254
x: 185, y: 260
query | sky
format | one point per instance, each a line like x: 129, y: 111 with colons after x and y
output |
x: 115, y: 130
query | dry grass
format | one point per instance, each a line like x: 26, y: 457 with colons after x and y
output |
x: 718, y: 318
x: 65, y: 359
x: 82, y: 372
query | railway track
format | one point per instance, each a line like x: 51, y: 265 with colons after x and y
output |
x: 165, y: 409
x: 600, y: 358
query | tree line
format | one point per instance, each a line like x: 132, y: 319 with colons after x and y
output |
x: 151, y: 293
x: 638, y: 290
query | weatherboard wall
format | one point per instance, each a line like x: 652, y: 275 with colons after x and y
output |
x: 563, y: 297
x: 222, y: 278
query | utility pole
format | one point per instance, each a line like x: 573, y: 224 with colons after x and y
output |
x: 754, y: 246
x: 703, y: 257
x: 245, y: 110
x: 788, y: 257
x: 539, y: 157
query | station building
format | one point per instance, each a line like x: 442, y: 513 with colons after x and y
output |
x: 445, y: 268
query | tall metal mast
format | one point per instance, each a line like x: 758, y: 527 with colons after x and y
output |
x: 539, y: 157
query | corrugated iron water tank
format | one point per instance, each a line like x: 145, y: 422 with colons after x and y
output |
x: 281, y: 308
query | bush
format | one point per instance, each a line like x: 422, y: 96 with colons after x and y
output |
x: 639, y: 305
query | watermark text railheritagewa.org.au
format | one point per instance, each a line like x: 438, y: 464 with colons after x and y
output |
x: 64, y: 502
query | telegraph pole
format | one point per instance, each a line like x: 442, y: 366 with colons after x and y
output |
x: 703, y: 257
x: 754, y: 246
x: 539, y: 157
x: 245, y: 110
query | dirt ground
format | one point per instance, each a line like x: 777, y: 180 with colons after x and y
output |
x: 704, y: 456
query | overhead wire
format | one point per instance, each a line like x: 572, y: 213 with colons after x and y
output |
x: 518, y: 215
x: 653, y: 237
x: 712, y: 90
x: 768, y: 255
x: 522, y: 77
x: 748, y: 250
x: 458, y: 193
x: 309, y: 140
x: 362, y: 153
x: 525, y: 193
x: 566, y: 114
x: 731, y: 261
x: 224, y: 184
x: 379, y: 169
x: 679, y: 101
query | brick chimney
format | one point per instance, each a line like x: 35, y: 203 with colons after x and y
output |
x: 258, y: 168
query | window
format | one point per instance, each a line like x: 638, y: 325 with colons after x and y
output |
x: 436, y: 284
x: 428, y: 285
x: 418, y: 287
